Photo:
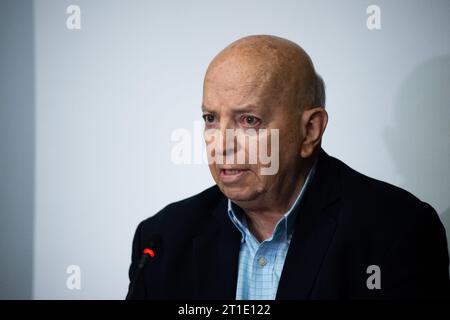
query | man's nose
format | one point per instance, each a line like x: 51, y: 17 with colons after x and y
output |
x: 226, y: 142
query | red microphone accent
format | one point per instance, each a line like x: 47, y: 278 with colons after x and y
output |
x: 150, y: 252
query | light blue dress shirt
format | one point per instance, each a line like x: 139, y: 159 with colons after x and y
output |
x: 261, y: 263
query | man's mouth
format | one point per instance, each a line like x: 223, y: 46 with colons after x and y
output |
x: 230, y: 172
x: 232, y: 175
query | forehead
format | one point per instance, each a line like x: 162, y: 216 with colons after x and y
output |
x: 244, y: 98
x: 241, y: 82
x: 239, y: 90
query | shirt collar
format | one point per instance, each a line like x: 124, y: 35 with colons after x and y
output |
x: 284, y: 227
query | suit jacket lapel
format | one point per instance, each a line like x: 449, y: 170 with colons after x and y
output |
x: 314, y: 231
x: 216, y: 257
x: 216, y: 248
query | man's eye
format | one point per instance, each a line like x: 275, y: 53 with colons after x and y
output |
x: 209, y: 118
x: 250, y: 121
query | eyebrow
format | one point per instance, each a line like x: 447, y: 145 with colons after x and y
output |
x: 240, y: 109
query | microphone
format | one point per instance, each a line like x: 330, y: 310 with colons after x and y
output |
x: 149, y: 253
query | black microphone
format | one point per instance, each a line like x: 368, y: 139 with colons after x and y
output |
x: 149, y: 253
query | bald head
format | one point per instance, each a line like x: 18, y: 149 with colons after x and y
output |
x: 276, y: 67
x: 264, y: 82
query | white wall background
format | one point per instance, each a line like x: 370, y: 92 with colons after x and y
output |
x: 108, y: 97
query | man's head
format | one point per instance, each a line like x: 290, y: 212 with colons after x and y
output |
x: 264, y: 82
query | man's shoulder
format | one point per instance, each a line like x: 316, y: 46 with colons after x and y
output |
x: 375, y: 201
x: 185, y: 213
x: 368, y: 188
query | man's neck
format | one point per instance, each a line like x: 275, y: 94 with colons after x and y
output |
x: 263, y: 215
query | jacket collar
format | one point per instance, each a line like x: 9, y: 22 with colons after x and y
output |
x: 216, y: 249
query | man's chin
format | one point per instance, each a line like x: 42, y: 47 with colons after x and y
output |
x: 237, y: 193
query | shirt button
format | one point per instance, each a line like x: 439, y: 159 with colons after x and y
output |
x: 262, y: 261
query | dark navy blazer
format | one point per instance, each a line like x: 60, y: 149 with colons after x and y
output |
x: 346, y: 222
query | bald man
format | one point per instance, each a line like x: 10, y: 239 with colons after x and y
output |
x: 300, y: 226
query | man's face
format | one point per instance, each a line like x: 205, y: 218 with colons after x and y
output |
x: 238, y: 97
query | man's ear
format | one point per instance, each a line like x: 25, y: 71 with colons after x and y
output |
x: 314, y: 121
